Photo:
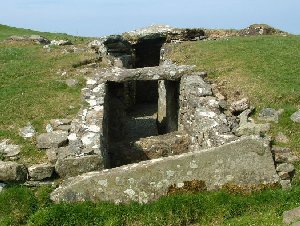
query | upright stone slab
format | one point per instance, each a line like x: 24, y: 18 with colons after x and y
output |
x: 247, y: 161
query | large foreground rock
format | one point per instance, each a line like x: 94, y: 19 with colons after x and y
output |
x: 12, y: 172
x: 247, y: 161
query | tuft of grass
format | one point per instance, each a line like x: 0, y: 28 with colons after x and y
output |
x: 16, y: 205
x: 263, y: 68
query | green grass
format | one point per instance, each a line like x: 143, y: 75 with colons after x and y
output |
x: 24, y: 206
x: 32, y: 88
x: 266, y: 69
x: 7, y: 31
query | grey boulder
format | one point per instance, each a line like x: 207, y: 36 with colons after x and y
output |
x: 12, y: 172
x: 54, y: 139
x: 73, y: 166
x: 9, y: 150
x: 27, y: 131
x: 291, y: 216
x: 239, y: 106
x: 296, y: 117
x: 251, y: 128
x: 270, y: 115
x: 40, y: 171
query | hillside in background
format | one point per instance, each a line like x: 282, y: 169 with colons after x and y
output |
x: 266, y: 69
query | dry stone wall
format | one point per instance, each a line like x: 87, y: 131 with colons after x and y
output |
x: 247, y: 161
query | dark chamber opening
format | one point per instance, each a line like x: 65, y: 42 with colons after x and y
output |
x: 147, y: 52
x: 132, y: 111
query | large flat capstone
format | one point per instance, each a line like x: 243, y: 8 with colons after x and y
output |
x: 247, y: 161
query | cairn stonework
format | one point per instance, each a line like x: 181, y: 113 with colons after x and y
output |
x: 147, y: 125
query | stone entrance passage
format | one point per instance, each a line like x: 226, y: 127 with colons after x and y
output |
x: 147, y: 52
x: 135, y: 110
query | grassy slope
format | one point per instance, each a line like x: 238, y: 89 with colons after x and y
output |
x: 31, y: 89
x: 265, y: 68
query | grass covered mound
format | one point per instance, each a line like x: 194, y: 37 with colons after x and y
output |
x: 264, y: 68
x: 23, y: 206
x: 32, y: 88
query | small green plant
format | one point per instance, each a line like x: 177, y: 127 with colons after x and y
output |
x: 1, y: 156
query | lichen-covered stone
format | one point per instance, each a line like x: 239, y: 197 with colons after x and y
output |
x: 270, y: 115
x: 296, y: 117
x: 9, y: 150
x: 239, y: 106
x: 244, y: 162
x: 27, y: 131
x: 12, y: 172
x: 35, y: 38
x: 40, y: 171
x: 54, y: 139
x: 251, y: 128
x: 291, y: 216
x: 73, y: 166
x: 283, y: 154
x: 164, y: 72
x: 55, y: 123
x: 285, y: 167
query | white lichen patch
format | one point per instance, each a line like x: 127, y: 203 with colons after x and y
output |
x: 170, y: 173
x: 143, y: 197
x: 94, y: 128
x: 91, y: 82
x: 193, y: 165
x: 208, y: 114
x: 103, y: 183
x: 72, y: 137
x: 130, y: 193
x: 180, y: 185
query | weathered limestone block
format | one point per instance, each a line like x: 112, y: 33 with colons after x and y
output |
x: 12, y: 172
x: 251, y: 128
x: 247, y: 161
x: 40, y: 171
x: 164, y: 72
x: 196, y: 86
x: 73, y: 166
x: 61, y: 124
x: 163, y: 145
x: 27, y: 131
x: 283, y: 154
x: 54, y: 139
x: 296, y: 117
x: 35, y: 38
x: 270, y: 115
x: 54, y: 154
x: 239, y: 106
x: 285, y: 167
x: 291, y: 216
x: 9, y: 150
